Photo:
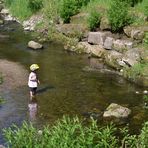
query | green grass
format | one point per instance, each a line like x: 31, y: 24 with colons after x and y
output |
x: 19, y: 9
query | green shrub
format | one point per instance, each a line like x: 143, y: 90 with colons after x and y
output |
x: 118, y: 15
x: 94, y: 20
x: 67, y: 9
x: 35, y: 5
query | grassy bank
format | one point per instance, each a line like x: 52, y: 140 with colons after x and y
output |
x: 54, y: 9
x: 72, y: 133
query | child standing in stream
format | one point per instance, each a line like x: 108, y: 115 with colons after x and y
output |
x: 33, y: 80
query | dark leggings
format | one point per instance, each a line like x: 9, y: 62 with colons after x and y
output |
x: 33, y: 90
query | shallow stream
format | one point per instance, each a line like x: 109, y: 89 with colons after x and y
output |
x: 66, y: 88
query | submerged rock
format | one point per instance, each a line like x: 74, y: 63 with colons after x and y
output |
x: 118, y: 111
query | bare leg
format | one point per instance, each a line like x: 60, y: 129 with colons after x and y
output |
x: 32, y: 95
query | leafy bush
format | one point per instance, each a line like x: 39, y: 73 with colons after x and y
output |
x: 35, y: 5
x: 68, y: 8
x: 118, y: 15
x: 94, y: 19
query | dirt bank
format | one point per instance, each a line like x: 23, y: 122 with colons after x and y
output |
x: 14, y: 75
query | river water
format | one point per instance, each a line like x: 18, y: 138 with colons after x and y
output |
x: 66, y: 88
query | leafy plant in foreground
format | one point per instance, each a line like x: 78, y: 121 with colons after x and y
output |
x: 66, y: 133
x: 71, y: 133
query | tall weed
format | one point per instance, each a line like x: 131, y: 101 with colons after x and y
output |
x: 51, y: 10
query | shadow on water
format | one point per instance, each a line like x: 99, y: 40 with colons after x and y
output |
x: 43, y: 89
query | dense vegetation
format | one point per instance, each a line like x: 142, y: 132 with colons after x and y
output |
x: 72, y: 133
x: 119, y: 12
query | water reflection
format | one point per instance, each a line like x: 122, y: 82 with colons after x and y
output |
x: 33, y: 108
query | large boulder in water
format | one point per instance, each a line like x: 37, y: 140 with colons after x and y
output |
x: 118, y: 111
x: 34, y: 45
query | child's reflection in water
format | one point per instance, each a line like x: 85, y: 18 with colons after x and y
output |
x: 33, y: 106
